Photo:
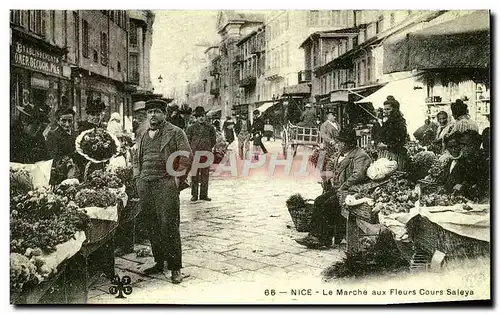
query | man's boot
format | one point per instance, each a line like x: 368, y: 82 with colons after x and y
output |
x: 156, y: 269
x: 176, y: 276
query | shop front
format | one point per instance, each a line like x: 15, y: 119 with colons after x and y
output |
x: 37, y: 76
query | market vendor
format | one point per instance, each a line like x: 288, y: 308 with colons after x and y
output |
x: 348, y: 167
x: 61, y: 146
x: 95, y: 112
x: 467, y: 173
x: 443, y: 129
x: 393, y: 135
x: 463, y: 122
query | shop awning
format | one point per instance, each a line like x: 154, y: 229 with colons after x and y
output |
x: 299, y: 89
x: 412, y: 101
x: 266, y: 106
x: 463, y: 42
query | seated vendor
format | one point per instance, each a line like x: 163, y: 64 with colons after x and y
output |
x: 467, y: 172
x: 348, y: 168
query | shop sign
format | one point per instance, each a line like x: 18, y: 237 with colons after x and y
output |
x: 340, y: 95
x: 26, y: 55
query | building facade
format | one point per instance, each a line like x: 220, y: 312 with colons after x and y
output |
x: 252, y: 71
x: 232, y: 27
x: 81, y: 55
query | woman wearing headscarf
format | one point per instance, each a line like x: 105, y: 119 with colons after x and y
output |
x: 443, y: 129
x: 114, y: 124
x: 393, y: 134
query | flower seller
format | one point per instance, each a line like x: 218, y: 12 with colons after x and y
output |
x: 95, y: 112
x: 348, y: 167
x: 202, y: 138
x: 393, y: 135
x: 61, y: 146
x: 467, y: 173
x: 158, y: 186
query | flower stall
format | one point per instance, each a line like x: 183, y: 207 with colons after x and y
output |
x: 62, y: 237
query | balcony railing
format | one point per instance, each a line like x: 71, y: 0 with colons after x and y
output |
x: 247, y: 81
x: 213, y: 71
x: 305, y: 76
x: 238, y: 58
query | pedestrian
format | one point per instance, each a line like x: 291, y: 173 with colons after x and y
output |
x: 61, y: 146
x: 269, y: 131
x: 393, y: 135
x: 228, y: 128
x: 176, y: 118
x: 308, y: 118
x: 158, y: 187
x: 257, y: 134
x: 348, y: 168
x: 243, y: 128
x: 27, y: 143
x: 114, y: 126
x: 202, y: 138
x: 329, y: 131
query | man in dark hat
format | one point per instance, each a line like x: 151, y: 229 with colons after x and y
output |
x: 243, y: 128
x: 27, y: 143
x: 228, y: 128
x: 95, y: 111
x: 258, y: 130
x: 158, y: 186
x: 202, y: 138
x: 175, y: 117
x: 348, y: 167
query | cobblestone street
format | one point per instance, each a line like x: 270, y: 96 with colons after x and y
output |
x: 243, y: 237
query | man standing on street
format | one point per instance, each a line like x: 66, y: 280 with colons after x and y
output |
x: 175, y: 118
x: 157, y: 179
x: 243, y: 128
x: 202, y: 138
x: 329, y: 132
x: 228, y: 128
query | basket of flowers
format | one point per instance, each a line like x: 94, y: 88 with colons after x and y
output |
x: 97, y: 145
x: 300, y: 210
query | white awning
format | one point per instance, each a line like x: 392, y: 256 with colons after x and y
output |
x: 399, y: 89
x: 266, y: 106
x: 412, y: 101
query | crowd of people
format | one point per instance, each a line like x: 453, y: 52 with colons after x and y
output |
x: 467, y: 171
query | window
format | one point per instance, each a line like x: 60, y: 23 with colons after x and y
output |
x: 65, y: 29
x: 133, y: 34
x: 76, y: 46
x: 119, y: 21
x: 96, y: 56
x: 134, y: 68
x: 111, y: 14
x: 313, y: 18
x: 369, y: 69
x: 119, y: 66
x: 393, y: 19
x: 36, y: 22
x: 53, y: 25
x: 104, y: 49
x: 355, y: 41
x: 380, y: 25
x: 85, y: 39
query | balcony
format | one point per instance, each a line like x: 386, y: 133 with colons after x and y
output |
x: 213, y: 71
x: 256, y: 49
x: 305, y: 76
x: 248, y: 81
x: 238, y: 58
x: 133, y: 78
x: 214, y: 89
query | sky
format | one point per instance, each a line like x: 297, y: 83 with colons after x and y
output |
x: 175, y: 35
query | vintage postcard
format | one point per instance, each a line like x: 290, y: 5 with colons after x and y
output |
x: 249, y: 157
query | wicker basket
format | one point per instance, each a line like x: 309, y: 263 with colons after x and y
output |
x: 362, y: 211
x: 430, y: 237
x: 301, y: 216
x: 99, y: 230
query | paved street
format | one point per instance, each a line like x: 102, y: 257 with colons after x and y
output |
x: 243, y: 237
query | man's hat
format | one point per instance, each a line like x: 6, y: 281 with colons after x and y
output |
x: 347, y: 135
x: 256, y: 112
x: 308, y: 106
x: 199, y: 111
x: 95, y: 107
x: 156, y: 104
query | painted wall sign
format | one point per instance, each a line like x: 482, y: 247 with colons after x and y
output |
x: 27, y: 55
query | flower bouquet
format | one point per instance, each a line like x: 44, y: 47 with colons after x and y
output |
x: 97, y: 145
